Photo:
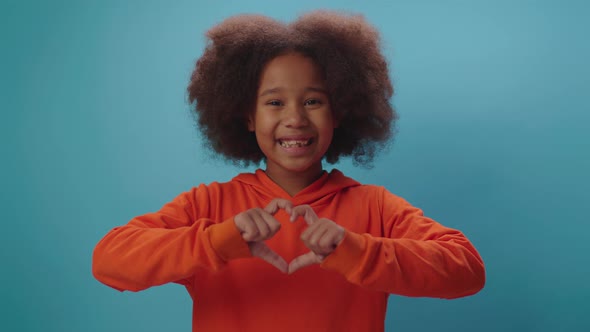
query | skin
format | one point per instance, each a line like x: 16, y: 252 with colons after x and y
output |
x: 257, y: 225
x: 322, y: 236
x: 292, y: 105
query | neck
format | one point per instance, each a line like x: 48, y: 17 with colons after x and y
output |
x: 294, y: 182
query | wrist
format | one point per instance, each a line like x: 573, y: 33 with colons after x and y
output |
x: 227, y: 241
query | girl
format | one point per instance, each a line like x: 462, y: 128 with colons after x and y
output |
x: 291, y: 247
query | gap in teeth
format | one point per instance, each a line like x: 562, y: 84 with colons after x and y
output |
x: 291, y: 144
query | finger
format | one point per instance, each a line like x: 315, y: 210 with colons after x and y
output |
x: 279, y: 203
x: 313, y: 230
x: 271, y: 224
x: 304, y: 260
x: 312, y: 239
x: 249, y: 228
x: 261, y: 250
x: 330, y: 240
x: 306, y: 212
x: 262, y: 227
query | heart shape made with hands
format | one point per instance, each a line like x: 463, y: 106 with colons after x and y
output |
x: 322, y: 235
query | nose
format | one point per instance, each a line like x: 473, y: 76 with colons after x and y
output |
x: 295, y: 116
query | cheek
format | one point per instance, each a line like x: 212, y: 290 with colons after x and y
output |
x: 261, y: 137
x: 326, y: 137
x: 264, y: 134
x: 263, y: 126
x: 328, y: 125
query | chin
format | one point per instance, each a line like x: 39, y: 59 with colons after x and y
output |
x: 304, y: 168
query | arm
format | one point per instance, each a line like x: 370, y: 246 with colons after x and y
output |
x: 166, y: 246
x: 416, y: 256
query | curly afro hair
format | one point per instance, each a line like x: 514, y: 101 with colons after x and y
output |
x: 346, y: 47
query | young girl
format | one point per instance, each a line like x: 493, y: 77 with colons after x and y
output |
x: 291, y: 247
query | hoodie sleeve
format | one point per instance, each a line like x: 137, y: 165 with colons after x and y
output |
x: 417, y: 256
x: 166, y: 246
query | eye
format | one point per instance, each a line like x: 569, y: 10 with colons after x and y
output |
x: 274, y: 103
x: 312, y: 102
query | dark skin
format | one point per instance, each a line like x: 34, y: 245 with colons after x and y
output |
x: 257, y: 225
x: 294, y: 125
x: 292, y: 121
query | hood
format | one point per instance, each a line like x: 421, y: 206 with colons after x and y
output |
x: 327, y: 185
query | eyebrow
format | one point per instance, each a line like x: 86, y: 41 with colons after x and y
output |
x: 278, y: 89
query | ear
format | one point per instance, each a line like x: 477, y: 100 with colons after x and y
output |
x: 335, y: 122
x: 251, y: 126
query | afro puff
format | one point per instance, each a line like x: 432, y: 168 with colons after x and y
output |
x: 222, y: 89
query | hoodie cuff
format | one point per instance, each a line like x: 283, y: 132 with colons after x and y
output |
x: 347, y: 256
x: 227, y: 241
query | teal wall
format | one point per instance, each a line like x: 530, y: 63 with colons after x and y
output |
x: 493, y: 139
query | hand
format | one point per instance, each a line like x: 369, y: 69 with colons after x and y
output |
x: 322, y: 236
x: 257, y: 225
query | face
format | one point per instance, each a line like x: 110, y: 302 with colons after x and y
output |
x: 292, y: 120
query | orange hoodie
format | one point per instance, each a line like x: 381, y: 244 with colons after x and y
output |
x: 389, y: 247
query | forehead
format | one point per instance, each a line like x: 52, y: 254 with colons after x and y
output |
x: 293, y: 69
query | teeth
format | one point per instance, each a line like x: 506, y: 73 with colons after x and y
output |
x: 294, y: 143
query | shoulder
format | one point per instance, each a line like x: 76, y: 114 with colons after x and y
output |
x: 376, y: 194
x: 206, y: 198
x: 202, y: 191
x: 216, y: 187
x: 355, y: 188
x: 337, y: 176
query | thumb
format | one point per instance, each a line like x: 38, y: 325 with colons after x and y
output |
x: 262, y: 251
x: 304, y: 260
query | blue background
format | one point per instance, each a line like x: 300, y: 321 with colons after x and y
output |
x: 493, y: 139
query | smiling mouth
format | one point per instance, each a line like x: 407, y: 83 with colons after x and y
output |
x: 295, y: 143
